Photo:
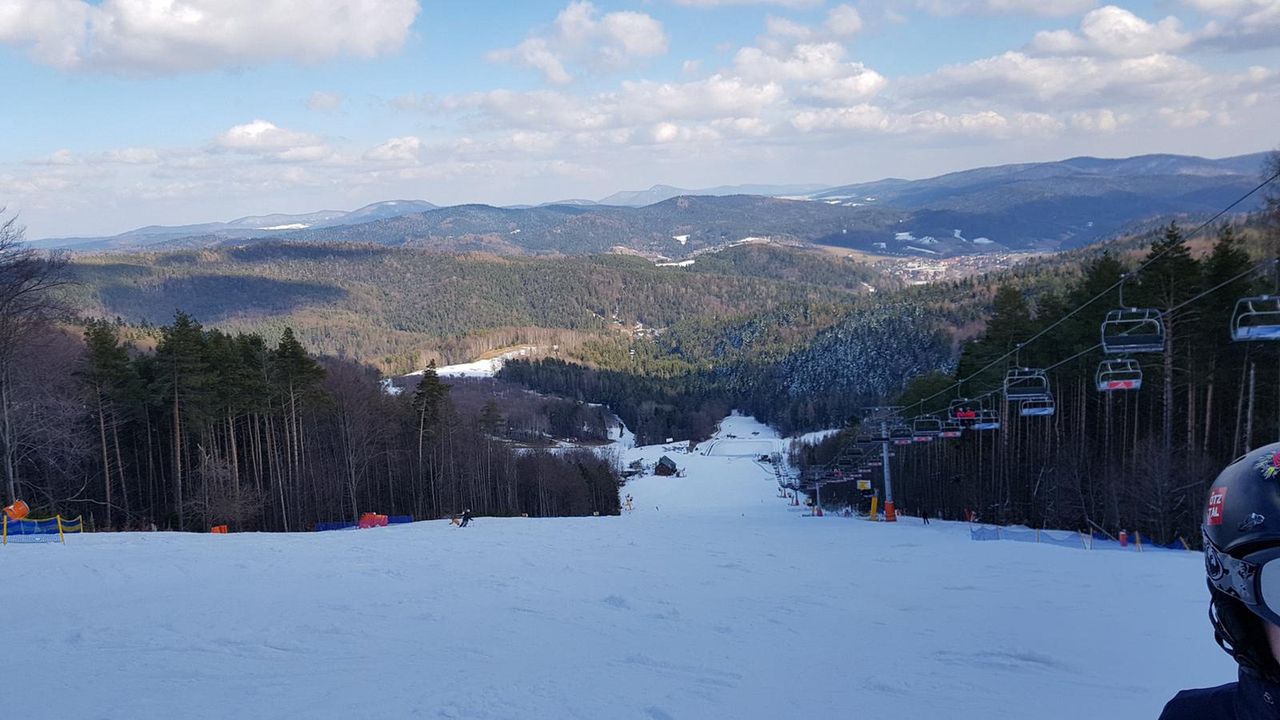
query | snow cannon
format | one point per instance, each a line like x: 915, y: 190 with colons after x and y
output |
x: 18, y: 510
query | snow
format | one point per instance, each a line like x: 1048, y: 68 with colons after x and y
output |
x: 712, y: 599
x: 289, y: 226
x: 682, y: 239
x: 679, y: 263
x: 480, y: 368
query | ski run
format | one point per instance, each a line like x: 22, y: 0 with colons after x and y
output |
x: 711, y: 598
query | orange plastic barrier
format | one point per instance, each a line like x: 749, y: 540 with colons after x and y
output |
x: 219, y: 530
x: 369, y: 520
x: 17, y: 511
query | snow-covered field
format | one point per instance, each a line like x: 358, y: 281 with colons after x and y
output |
x: 712, y: 599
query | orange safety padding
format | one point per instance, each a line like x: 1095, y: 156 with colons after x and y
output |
x: 369, y: 520
x: 18, y: 510
x: 219, y: 530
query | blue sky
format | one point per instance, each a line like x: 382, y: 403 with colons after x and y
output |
x: 132, y: 112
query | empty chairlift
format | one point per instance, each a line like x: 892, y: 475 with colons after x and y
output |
x: 1256, y: 318
x: 951, y: 430
x: 1119, y: 374
x: 1023, y: 384
x: 1133, y: 330
x: 1038, y: 407
x: 925, y: 429
x: 987, y: 419
x: 900, y: 435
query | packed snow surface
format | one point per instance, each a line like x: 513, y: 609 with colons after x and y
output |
x: 711, y: 599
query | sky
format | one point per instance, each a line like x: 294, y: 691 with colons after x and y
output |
x: 124, y: 113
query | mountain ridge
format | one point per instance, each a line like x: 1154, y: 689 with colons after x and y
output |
x: 1025, y: 206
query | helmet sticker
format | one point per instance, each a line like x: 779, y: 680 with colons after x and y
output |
x: 1213, y: 516
x: 1269, y: 465
x: 1254, y: 520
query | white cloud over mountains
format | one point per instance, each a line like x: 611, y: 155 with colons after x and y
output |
x: 581, y: 34
x: 801, y: 101
x: 170, y: 36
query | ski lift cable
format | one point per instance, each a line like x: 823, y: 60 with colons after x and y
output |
x: 1018, y: 346
x: 1199, y: 296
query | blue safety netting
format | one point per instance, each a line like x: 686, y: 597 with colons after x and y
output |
x: 326, y: 526
x: 399, y: 519
x: 32, y: 527
x: 1072, y: 540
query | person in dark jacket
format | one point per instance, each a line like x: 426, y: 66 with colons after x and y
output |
x: 466, y: 517
x: 1241, y: 531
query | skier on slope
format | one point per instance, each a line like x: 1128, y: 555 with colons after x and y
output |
x: 466, y: 517
x: 1242, y: 559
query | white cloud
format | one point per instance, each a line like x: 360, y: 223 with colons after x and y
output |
x: 876, y: 120
x: 725, y: 3
x: 534, y: 53
x: 1062, y: 82
x: 1239, y: 24
x: 1113, y: 31
x: 401, y: 150
x: 633, y: 104
x: 806, y: 62
x: 842, y: 22
x: 1103, y: 120
x: 855, y: 87
x: 269, y: 141
x: 581, y: 34
x: 322, y: 101
x: 1006, y: 7
x: 172, y: 36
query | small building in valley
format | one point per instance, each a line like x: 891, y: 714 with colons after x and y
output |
x: 666, y: 466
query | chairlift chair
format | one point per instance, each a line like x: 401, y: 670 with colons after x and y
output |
x: 1037, y: 407
x: 925, y: 429
x: 963, y: 411
x: 1119, y: 374
x: 987, y: 420
x: 1133, y: 330
x: 1026, y: 384
x: 1256, y: 318
x: 900, y: 435
x: 951, y: 430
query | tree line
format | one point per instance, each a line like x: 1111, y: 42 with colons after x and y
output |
x: 209, y: 428
x: 1135, y: 459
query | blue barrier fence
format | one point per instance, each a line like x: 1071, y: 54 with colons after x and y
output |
x: 327, y: 526
x: 1080, y: 541
x: 346, y: 525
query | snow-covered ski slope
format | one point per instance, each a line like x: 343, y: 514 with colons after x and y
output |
x: 712, y: 599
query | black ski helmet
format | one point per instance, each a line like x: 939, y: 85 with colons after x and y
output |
x: 1241, y: 517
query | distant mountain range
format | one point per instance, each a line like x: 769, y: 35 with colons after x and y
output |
x: 243, y: 228
x: 1041, y: 206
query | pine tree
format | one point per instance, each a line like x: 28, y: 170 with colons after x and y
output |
x: 183, y: 384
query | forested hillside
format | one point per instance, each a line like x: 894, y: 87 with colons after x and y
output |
x: 399, y: 308
x: 1136, y: 459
